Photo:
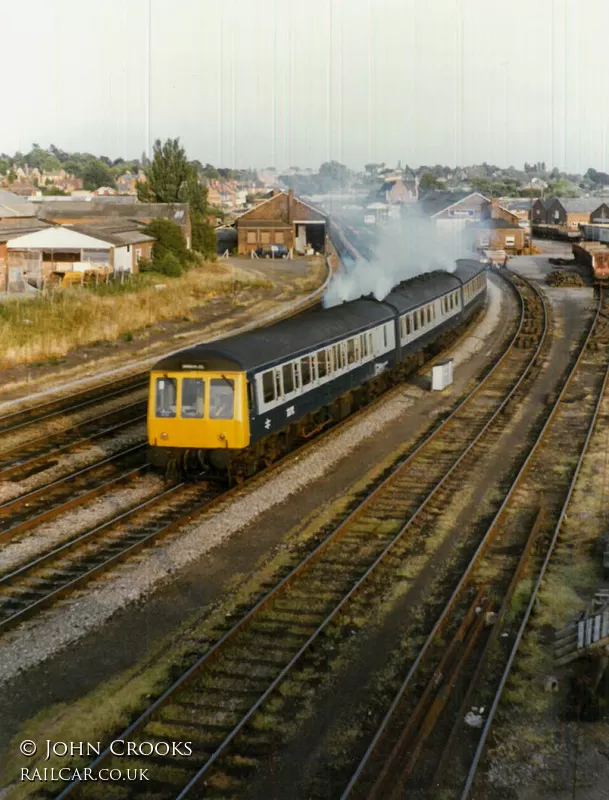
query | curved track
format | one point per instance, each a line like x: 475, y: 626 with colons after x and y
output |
x: 217, y: 699
x: 424, y: 718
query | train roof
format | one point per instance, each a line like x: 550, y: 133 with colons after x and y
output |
x: 308, y: 331
x: 290, y: 337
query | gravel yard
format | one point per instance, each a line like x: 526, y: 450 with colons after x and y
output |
x: 65, y: 624
x: 71, y: 462
x: 95, y: 512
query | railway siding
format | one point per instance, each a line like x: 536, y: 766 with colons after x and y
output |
x: 337, y: 569
x: 518, y: 545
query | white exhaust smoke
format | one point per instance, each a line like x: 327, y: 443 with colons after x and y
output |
x: 405, y: 248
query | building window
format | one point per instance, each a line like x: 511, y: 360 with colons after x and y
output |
x: 265, y: 238
x: 251, y: 237
x: 279, y: 237
x: 510, y: 241
x: 138, y: 254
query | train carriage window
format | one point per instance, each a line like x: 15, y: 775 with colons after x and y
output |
x: 288, y: 379
x: 221, y: 398
x: 268, y: 386
x: 370, y: 345
x: 321, y: 364
x: 193, y: 395
x: 363, y: 343
x: 415, y: 317
x: 329, y: 356
x: 408, y: 324
x: 166, y: 397
x: 428, y: 314
x: 339, y: 356
x: 351, y: 351
x: 385, y: 335
x: 402, y: 328
x: 296, y: 372
x: 305, y: 370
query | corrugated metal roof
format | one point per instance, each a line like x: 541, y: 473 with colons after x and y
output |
x: 10, y: 197
x: 55, y: 239
x: 17, y: 210
x: 579, y: 205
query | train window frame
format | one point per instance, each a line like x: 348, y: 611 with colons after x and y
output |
x: 307, y: 374
x: 321, y: 361
x: 197, y: 415
x: 270, y: 374
x: 287, y: 378
x: 217, y: 383
x: 174, y: 383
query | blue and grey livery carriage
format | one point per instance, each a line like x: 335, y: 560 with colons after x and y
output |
x: 239, y: 403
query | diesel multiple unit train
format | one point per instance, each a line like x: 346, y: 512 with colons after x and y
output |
x: 229, y: 407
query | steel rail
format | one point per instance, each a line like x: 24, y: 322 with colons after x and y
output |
x: 466, y: 574
x: 521, y: 631
x: 275, y: 591
x: 68, y: 409
x: 21, y: 527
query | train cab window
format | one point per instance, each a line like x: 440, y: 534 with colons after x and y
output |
x: 268, y: 386
x: 166, y: 396
x: 288, y: 379
x: 305, y: 370
x: 221, y: 398
x: 193, y: 398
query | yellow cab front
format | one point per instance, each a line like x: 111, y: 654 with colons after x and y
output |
x: 203, y: 410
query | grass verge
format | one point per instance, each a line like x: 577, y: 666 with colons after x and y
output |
x: 48, y: 327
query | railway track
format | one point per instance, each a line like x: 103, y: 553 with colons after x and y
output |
x: 52, y: 575
x: 27, y: 510
x: 424, y: 746
x: 219, y: 702
x: 35, y: 455
x: 53, y: 409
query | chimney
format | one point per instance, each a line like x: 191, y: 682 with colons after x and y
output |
x: 494, y: 208
x: 290, y: 206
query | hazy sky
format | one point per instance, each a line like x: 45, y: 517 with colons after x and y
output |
x: 297, y: 82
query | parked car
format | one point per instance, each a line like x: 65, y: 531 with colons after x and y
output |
x: 272, y: 251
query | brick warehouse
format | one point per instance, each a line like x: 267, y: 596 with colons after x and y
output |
x: 281, y: 220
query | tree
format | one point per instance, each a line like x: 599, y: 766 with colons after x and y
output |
x: 427, y: 182
x: 4, y: 165
x: 166, y: 175
x: 169, y: 242
x: 54, y: 191
x: 96, y: 174
x: 171, y: 178
x: 51, y: 164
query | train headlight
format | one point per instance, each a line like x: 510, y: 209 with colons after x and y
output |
x: 164, y: 436
x: 221, y: 436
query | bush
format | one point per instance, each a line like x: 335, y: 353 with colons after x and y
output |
x: 145, y: 265
x: 168, y: 264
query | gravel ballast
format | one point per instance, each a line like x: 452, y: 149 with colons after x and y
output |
x: 37, y: 640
